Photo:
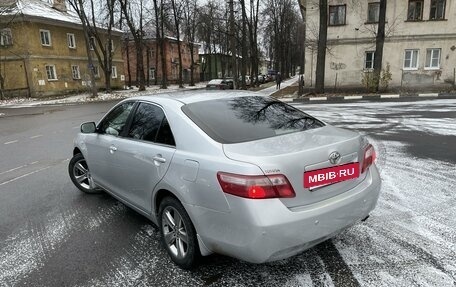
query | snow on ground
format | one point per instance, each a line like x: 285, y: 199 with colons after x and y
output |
x: 409, y: 240
x: 85, y: 97
x: 116, y: 95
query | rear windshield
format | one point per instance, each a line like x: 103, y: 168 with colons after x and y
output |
x: 243, y: 119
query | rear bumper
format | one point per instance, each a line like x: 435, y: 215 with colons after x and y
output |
x: 259, y: 231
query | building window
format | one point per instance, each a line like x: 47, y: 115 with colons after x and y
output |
x: 114, y: 72
x: 112, y: 45
x: 45, y: 37
x: 71, y: 41
x: 369, y: 62
x: 96, y: 71
x: 92, y: 43
x: 75, y: 72
x: 152, y: 74
x: 337, y: 15
x: 6, y: 37
x: 437, y: 10
x: 415, y: 10
x: 50, y: 72
x: 373, y: 11
x: 432, y: 59
x: 411, y: 60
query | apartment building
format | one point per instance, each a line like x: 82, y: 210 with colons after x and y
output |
x: 420, y: 44
x: 43, y: 51
x: 153, y: 61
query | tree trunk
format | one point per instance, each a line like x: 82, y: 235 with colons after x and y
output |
x: 127, y: 50
x: 379, y: 41
x: 321, y: 56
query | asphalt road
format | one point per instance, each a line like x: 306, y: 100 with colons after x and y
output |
x: 53, y: 235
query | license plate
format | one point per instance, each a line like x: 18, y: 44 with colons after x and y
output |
x: 321, y: 177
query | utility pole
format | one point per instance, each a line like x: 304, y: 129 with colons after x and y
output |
x: 233, y: 44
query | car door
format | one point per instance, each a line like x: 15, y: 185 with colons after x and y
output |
x: 143, y: 156
x: 101, y: 145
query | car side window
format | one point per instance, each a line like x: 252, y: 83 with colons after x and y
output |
x: 165, y: 136
x: 115, y: 121
x: 146, y: 122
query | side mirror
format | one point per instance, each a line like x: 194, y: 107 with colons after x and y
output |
x: 88, y: 128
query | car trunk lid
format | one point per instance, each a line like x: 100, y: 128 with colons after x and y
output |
x: 293, y: 154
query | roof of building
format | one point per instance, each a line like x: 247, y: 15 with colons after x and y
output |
x: 41, y: 9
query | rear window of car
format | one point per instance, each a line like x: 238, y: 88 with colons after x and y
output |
x: 244, y: 119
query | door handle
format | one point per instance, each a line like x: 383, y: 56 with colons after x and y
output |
x: 159, y: 159
x: 112, y: 149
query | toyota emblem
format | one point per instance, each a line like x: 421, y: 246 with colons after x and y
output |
x: 334, y: 157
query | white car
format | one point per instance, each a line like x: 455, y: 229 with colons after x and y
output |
x: 228, y: 172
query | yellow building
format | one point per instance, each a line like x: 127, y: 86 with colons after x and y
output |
x: 43, y: 50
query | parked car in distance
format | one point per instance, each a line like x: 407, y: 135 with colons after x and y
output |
x: 217, y: 84
x: 228, y: 172
x: 261, y: 79
x: 247, y: 80
x: 229, y: 82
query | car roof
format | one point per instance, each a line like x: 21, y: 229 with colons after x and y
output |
x: 193, y: 96
x: 215, y: 81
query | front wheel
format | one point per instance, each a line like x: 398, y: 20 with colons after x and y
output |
x: 178, y: 234
x: 80, y: 174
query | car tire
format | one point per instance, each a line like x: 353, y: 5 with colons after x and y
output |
x: 80, y: 174
x: 179, y: 241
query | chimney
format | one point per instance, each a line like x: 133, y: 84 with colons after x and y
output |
x: 59, y: 5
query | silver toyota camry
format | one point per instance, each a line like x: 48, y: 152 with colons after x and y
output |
x: 228, y: 172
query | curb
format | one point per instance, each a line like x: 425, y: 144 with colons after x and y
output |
x: 373, y: 97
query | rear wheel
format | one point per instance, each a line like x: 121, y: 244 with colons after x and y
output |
x: 80, y: 174
x: 178, y: 234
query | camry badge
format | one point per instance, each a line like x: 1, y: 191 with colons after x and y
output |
x: 334, y: 157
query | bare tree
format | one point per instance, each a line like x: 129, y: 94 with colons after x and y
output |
x: 136, y: 31
x: 177, y: 13
x: 380, y: 40
x: 78, y: 6
x: 190, y: 22
x: 321, y: 55
x: 281, y: 18
x: 160, y: 20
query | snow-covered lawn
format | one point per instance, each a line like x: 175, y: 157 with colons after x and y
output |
x: 85, y: 97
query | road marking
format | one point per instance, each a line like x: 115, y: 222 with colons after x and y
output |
x: 353, y: 97
x: 37, y: 136
x: 428, y: 95
x: 318, y: 99
x: 24, y: 175
x: 19, y: 167
x: 11, y: 142
x: 389, y: 96
x: 2, y: 114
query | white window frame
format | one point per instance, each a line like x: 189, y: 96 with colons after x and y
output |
x: 365, y: 60
x: 71, y: 41
x: 6, y: 37
x: 114, y: 72
x: 411, y: 67
x: 51, y: 69
x: 428, y: 64
x: 48, y: 38
x: 75, y: 72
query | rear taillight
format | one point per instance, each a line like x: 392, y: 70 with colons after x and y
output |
x: 255, y: 186
x: 369, y: 157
